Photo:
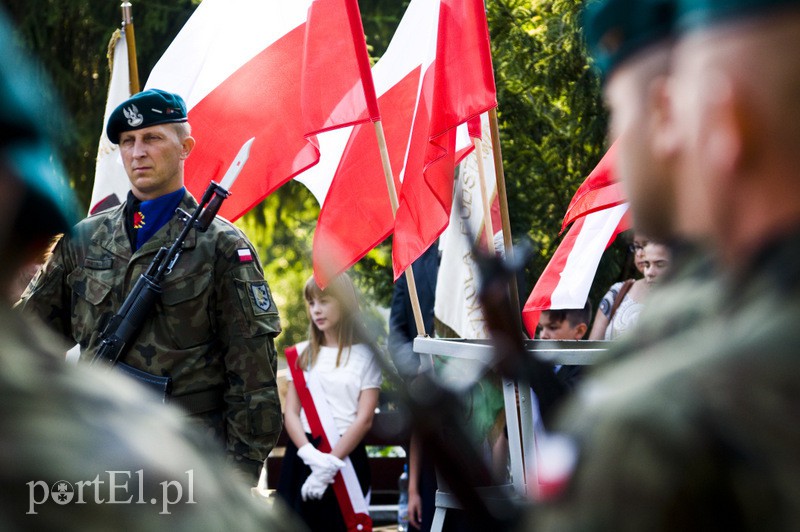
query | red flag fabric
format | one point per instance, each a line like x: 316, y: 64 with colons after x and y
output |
x: 599, y: 191
x: 356, y: 212
x: 566, y: 280
x: 337, y: 84
x: 241, y: 67
x: 457, y: 84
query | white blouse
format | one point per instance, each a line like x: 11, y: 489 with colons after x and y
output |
x: 358, y: 370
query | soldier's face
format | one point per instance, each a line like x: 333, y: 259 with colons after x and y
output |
x: 639, y: 122
x: 153, y: 159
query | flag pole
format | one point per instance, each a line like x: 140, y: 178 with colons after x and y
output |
x: 487, y: 204
x: 387, y: 173
x: 357, y: 29
x: 130, y: 40
x: 362, y: 59
x: 501, y: 194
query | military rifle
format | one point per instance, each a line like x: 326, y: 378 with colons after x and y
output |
x: 125, y: 325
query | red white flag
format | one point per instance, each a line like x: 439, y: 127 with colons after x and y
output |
x: 566, y: 280
x: 457, y: 84
x: 111, y: 183
x: 600, y: 190
x: 241, y: 65
x: 356, y: 214
x: 598, y: 210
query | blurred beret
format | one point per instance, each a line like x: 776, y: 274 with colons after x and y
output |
x: 29, y: 112
x: 145, y: 109
x: 616, y: 29
x: 692, y: 14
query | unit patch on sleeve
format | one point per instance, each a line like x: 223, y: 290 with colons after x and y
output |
x: 245, y: 255
x: 261, y: 297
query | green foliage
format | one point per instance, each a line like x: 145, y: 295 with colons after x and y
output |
x: 552, y: 123
x: 281, y: 228
x: 70, y: 38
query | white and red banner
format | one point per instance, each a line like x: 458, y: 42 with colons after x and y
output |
x: 247, y: 68
x: 600, y: 190
x: 111, y: 183
x: 598, y: 212
x: 352, y: 503
x: 458, y: 280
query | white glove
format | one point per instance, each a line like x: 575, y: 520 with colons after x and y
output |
x: 323, y: 464
x: 313, y: 488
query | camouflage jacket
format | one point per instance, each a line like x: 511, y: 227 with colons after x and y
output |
x: 701, y: 430
x: 83, y: 449
x: 213, y: 327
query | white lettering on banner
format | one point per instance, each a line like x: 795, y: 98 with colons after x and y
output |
x: 114, y: 490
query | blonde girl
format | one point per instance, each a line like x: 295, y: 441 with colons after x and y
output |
x: 338, y: 357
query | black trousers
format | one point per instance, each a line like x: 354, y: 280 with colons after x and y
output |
x: 323, y: 514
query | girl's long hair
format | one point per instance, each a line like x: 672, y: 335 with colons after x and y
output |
x: 351, y: 331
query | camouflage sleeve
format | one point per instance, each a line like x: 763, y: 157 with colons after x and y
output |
x: 47, y: 296
x: 247, y: 325
x: 634, y: 472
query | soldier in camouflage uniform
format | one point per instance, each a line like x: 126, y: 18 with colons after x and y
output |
x: 213, y: 328
x: 84, y: 450
x: 634, y: 70
x: 700, y: 429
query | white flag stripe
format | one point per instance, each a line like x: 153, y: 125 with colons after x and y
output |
x: 457, y: 283
x: 109, y: 176
x: 235, y: 30
x: 581, y: 266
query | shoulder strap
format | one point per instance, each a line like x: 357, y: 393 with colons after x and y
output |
x: 620, y: 296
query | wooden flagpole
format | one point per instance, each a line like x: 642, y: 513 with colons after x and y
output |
x: 130, y: 40
x: 487, y: 204
x: 409, y: 273
x: 501, y: 194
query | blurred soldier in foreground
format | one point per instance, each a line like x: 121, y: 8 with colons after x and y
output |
x: 81, y: 450
x: 211, y: 333
x: 700, y: 431
x: 633, y: 54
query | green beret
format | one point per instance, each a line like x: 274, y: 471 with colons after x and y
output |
x: 145, y: 109
x: 693, y: 14
x: 29, y: 114
x: 617, y: 29
x: 49, y: 206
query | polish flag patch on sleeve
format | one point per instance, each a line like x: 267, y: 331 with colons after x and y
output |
x: 245, y: 255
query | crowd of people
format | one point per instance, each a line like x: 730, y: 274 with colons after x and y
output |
x: 688, y: 422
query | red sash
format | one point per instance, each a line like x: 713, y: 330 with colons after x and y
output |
x: 345, y: 484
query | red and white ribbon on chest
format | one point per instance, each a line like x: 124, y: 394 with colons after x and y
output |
x: 345, y: 484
